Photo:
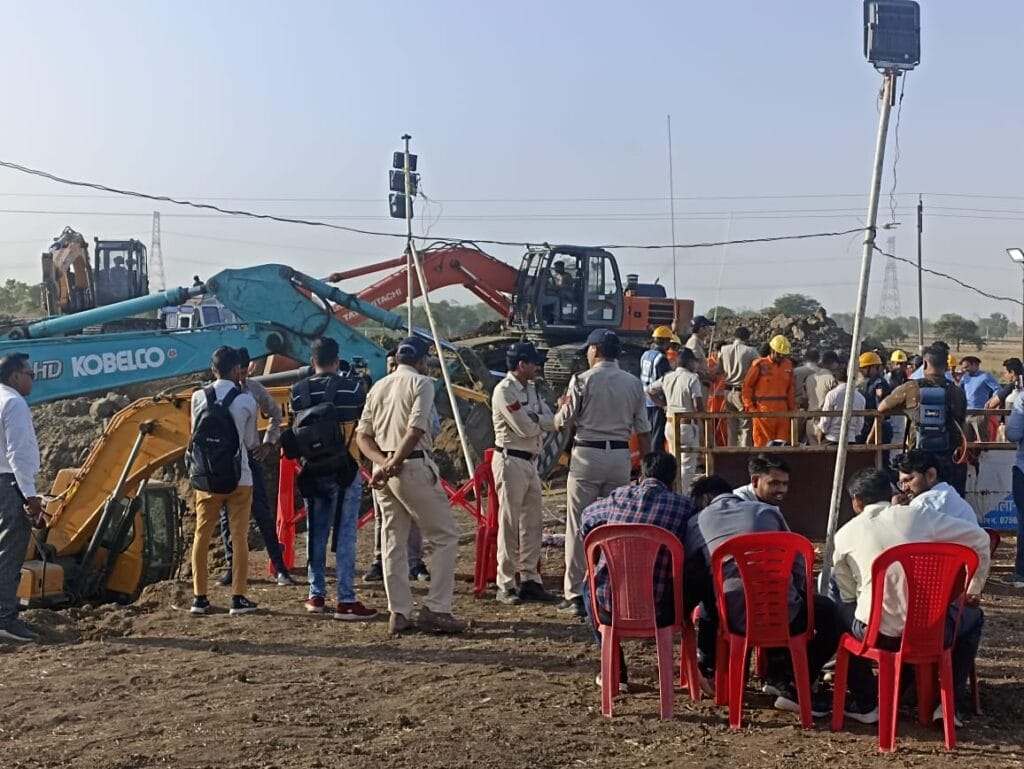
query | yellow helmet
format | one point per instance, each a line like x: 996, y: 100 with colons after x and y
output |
x: 662, y: 332
x: 898, y: 356
x: 677, y: 340
x: 951, y: 361
x: 780, y: 344
x: 869, y: 359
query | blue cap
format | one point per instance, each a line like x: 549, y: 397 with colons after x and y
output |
x: 702, y: 322
x: 526, y: 351
x: 601, y: 336
x: 412, y: 348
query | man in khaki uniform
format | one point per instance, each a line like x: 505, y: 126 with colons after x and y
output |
x: 394, y: 433
x: 735, y: 361
x: 521, y: 417
x: 679, y: 392
x: 605, y: 405
x: 699, y: 335
x: 816, y: 387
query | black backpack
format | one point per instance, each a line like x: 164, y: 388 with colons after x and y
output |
x: 316, y: 436
x: 214, y: 454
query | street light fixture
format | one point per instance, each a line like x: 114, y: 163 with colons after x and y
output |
x: 1017, y: 255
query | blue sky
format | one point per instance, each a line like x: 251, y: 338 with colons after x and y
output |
x: 541, y: 121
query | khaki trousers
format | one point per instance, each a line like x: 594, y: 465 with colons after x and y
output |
x: 520, y: 520
x: 738, y: 427
x: 415, y: 495
x: 976, y: 428
x: 208, y: 507
x: 593, y: 473
x: 688, y: 438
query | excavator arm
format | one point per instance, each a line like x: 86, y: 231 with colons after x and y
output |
x: 281, y: 310
x: 490, y: 279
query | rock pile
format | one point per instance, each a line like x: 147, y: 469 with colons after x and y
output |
x: 816, y: 330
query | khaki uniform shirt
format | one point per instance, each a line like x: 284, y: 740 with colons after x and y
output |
x: 735, y: 361
x: 680, y: 389
x: 816, y: 387
x: 604, y: 403
x: 520, y: 416
x: 697, y: 346
x: 800, y: 376
x: 397, y: 402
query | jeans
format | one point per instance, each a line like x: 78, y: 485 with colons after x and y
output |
x: 860, y: 680
x: 328, y: 504
x: 15, y: 532
x: 264, y: 517
x: 657, y: 417
x: 1018, y: 500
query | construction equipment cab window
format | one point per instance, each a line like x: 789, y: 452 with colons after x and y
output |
x: 568, y: 286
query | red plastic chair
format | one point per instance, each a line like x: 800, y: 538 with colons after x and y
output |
x: 765, y: 562
x: 630, y: 552
x: 932, y: 572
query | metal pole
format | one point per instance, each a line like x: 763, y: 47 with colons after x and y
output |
x: 888, y: 92
x: 672, y: 216
x: 920, y: 282
x: 470, y: 467
x: 409, y: 254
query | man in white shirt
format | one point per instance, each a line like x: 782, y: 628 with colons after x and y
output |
x: 921, y: 488
x: 829, y: 427
x: 20, y: 505
x: 816, y: 387
x: 680, y: 392
x: 226, y: 367
x: 877, y: 527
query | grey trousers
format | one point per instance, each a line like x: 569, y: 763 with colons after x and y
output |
x: 15, y: 531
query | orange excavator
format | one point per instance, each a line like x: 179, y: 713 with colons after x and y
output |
x: 555, y: 298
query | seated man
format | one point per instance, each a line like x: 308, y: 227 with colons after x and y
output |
x: 922, y: 488
x: 878, y: 526
x: 769, y: 480
x: 723, y: 515
x: 650, y: 501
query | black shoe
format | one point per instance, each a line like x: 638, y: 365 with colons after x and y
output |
x: 572, y: 606
x: 375, y: 573
x: 200, y: 605
x: 242, y: 605
x: 419, y: 573
x: 507, y: 597
x: 534, y: 591
x: 17, y: 631
x: 821, y: 705
x: 225, y: 579
x: 859, y: 712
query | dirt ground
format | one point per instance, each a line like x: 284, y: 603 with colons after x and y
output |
x: 149, y: 685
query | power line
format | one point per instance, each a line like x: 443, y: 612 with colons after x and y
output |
x: 959, y: 282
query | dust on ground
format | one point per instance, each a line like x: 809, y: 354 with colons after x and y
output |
x: 148, y: 685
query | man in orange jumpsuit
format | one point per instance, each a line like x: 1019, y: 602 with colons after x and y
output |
x: 769, y: 386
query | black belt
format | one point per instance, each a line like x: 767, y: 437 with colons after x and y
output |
x: 418, y: 454
x: 733, y: 387
x: 607, y: 445
x: 516, y: 453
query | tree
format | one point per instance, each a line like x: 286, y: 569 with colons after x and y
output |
x: 795, y: 304
x: 889, y: 330
x: 958, y: 329
x: 996, y: 325
x: 720, y: 312
x: 453, y: 319
x: 17, y: 298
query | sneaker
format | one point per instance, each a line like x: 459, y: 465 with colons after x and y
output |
x: 353, y: 612
x: 1013, y: 580
x: 18, y: 631
x: 284, y: 578
x: 439, y: 622
x: 419, y: 573
x: 859, y: 713
x: 787, y: 700
x: 375, y: 573
x: 242, y: 605
x: 572, y: 606
x: 224, y: 580
x: 398, y: 623
x: 200, y: 605
x: 315, y: 605
x: 937, y: 716
x: 773, y: 688
x: 508, y: 597
x: 534, y: 591
x: 623, y: 685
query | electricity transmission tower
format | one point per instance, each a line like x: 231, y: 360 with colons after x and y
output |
x: 890, y: 306
x: 156, y: 257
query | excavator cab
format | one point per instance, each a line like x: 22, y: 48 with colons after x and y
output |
x: 121, y: 270
x: 566, y: 288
